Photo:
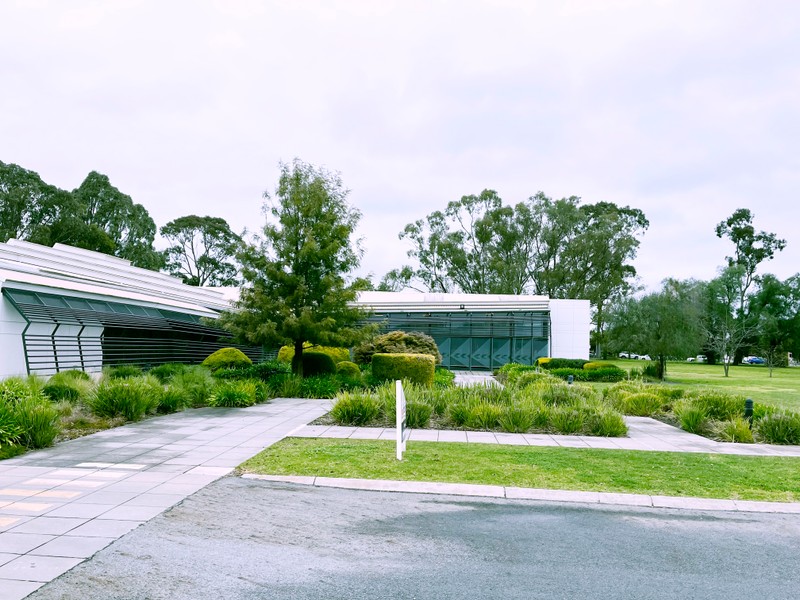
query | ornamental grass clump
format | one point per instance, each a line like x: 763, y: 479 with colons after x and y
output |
x: 719, y: 406
x: 355, y: 408
x: 173, y: 399
x: 130, y: 398
x: 37, y: 417
x: 234, y: 394
x: 566, y: 420
x: 734, y: 430
x: 641, y: 404
x: 197, y: 383
x: 779, y: 428
x: 606, y: 423
x: 10, y: 429
x: 691, y: 417
x: 517, y: 419
x: 484, y: 415
x: 418, y: 415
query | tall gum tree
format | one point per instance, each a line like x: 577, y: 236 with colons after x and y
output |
x: 296, y: 286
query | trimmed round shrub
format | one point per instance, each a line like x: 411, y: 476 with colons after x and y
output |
x: 286, y: 353
x: 397, y: 342
x: 416, y: 368
x: 317, y: 363
x: 227, y: 358
x: 348, y: 369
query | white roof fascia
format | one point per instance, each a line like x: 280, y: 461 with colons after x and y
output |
x: 66, y: 263
x: 420, y: 302
x: 38, y: 283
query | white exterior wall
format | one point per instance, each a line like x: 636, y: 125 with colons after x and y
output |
x: 570, y: 325
x: 12, y: 353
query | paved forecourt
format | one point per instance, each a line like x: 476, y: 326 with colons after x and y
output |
x: 60, y: 505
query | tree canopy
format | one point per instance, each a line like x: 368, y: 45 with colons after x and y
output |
x: 559, y: 248
x: 95, y: 216
x: 202, y: 250
x: 296, y: 288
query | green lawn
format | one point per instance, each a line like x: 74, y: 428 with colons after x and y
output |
x: 660, y: 473
x: 750, y: 381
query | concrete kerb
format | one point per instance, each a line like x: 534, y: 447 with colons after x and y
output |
x: 543, y: 495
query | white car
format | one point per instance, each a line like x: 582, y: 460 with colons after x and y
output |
x: 644, y: 357
x: 628, y: 355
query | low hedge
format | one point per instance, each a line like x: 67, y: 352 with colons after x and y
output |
x: 600, y: 374
x: 417, y: 368
x: 227, y: 358
x: 561, y: 363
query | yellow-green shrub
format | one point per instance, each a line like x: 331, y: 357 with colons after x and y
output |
x: 417, y: 368
x: 348, y: 369
x: 286, y: 353
x: 227, y: 358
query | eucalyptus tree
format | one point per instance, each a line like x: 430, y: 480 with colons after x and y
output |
x: 202, y: 250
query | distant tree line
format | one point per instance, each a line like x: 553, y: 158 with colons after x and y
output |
x: 98, y: 216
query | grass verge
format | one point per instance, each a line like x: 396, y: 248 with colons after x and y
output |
x: 658, y: 473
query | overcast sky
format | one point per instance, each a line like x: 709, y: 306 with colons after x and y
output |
x: 687, y: 110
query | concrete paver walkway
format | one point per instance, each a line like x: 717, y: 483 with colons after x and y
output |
x: 61, y: 505
x: 643, y: 434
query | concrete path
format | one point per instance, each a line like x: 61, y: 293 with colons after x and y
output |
x: 61, y: 505
x: 644, y: 433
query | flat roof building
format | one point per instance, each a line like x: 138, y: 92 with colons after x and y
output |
x: 68, y: 308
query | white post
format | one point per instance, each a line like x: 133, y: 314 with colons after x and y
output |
x: 400, y: 406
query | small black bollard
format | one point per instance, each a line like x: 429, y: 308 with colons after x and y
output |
x: 748, y: 411
x: 570, y: 379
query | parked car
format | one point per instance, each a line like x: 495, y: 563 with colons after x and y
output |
x: 753, y: 360
x: 628, y: 355
x: 644, y: 357
x: 699, y: 358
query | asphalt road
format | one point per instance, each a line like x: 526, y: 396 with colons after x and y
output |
x: 244, y: 539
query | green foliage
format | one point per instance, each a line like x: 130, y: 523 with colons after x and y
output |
x: 508, y: 371
x: 317, y: 363
x: 417, y: 368
x: 296, y: 289
x: 355, y: 409
x: 202, y: 251
x: 605, y: 373
x: 418, y: 414
x: 719, y: 406
x: 173, y: 399
x: 37, y: 418
x: 10, y: 429
x: 319, y: 386
x: 197, y: 383
x: 458, y: 414
x: 780, y: 428
x: 58, y: 391
x: 606, y: 423
x: 484, y: 415
x: 166, y: 371
x: 348, y: 369
x: 516, y: 419
x: 72, y: 386
x: 641, y: 404
x: 735, y: 430
x: 693, y: 418
x: 443, y: 378
x: 227, y: 358
x: 263, y: 371
x: 653, y: 370
x: 397, y: 342
x: 566, y: 420
x: 597, y: 364
x: 286, y: 353
x: 122, y: 372
x: 286, y: 386
x: 563, y: 363
x: 130, y: 397
x: 234, y: 394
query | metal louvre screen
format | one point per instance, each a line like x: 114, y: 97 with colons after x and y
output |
x: 478, y: 340
x: 74, y: 333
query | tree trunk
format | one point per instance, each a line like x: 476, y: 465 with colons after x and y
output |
x: 297, y: 359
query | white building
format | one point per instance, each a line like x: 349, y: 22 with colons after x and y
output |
x: 68, y: 308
